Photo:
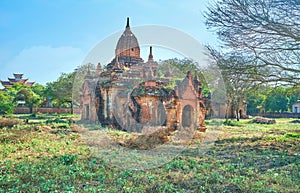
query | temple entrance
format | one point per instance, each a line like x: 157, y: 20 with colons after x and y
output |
x: 187, y: 116
x: 161, y: 115
x: 87, y: 112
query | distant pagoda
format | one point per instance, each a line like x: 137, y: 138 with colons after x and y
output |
x: 18, y: 79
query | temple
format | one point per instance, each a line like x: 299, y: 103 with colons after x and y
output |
x: 129, y: 94
x: 18, y: 79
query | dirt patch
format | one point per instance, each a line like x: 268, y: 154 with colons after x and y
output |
x: 97, y: 139
x: 42, y: 128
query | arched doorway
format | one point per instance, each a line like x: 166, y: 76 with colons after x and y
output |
x: 161, y: 115
x: 187, y: 116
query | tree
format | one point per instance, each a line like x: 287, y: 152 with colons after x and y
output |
x: 6, y: 103
x: 29, y: 96
x: 178, y: 68
x: 256, y: 99
x: 265, y: 32
x: 20, y: 92
x: 277, y: 100
x: 234, y: 80
x: 60, y: 90
x: 293, y: 94
x: 40, y: 90
x: 66, y: 90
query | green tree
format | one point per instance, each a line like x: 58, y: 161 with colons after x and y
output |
x: 65, y: 91
x: 40, y: 90
x: 32, y: 96
x: 6, y: 103
x: 60, y: 90
x: 277, y: 100
x: 29, y: 96
x: 178, y: 68
x: 256, y: 99
x: 293, y: 95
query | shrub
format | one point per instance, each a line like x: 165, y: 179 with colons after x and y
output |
x: 295, y: 121
x: 68, y: 159
x: 33, y: 115
x: 232, y: 123
x: 294, y: 135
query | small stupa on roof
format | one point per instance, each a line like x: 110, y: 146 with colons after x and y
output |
x: 18, y: 79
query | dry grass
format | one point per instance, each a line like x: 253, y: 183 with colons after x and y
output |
x: 10, y: 122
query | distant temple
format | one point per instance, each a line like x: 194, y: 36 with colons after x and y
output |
x: 128, y: 93
x: 18, y: 79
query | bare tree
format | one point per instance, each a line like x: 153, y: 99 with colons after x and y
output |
x: 266, y: 33
x: 235, y: 77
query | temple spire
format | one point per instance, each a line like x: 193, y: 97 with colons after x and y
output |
x: 150, y: 58
x: 127, y: 25
x: 88, y: 74
x: 98, y: 70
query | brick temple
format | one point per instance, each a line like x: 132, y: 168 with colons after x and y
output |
x: 128, y: 93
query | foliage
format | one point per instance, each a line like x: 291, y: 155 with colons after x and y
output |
x: 256, y: 99
x: 60, y: 91
x: 65, y: 91
x: 293, y: 94
x: 32, y: 96
x: 79, y: 78
x: 31, y: 99
x: 178, y: 68
x: 264, y: 33
x: 271, y: 99
x: 277, y: 100
x: 40, y: 90
x: 6, y: 103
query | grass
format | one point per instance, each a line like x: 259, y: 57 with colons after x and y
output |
x: 246, y: 157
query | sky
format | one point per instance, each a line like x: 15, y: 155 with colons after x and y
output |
x: 43, y: 38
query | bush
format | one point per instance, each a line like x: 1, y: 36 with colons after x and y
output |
x: 33, y: 115
x: 295, y: 121
x: 232, y: 123
x: 9, y: 122
x: 68, y: 159
x: 292, y: 135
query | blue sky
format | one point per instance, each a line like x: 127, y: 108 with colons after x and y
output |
x: 42, y: 38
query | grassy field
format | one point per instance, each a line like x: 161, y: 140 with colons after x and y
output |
x: 49, y: 154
